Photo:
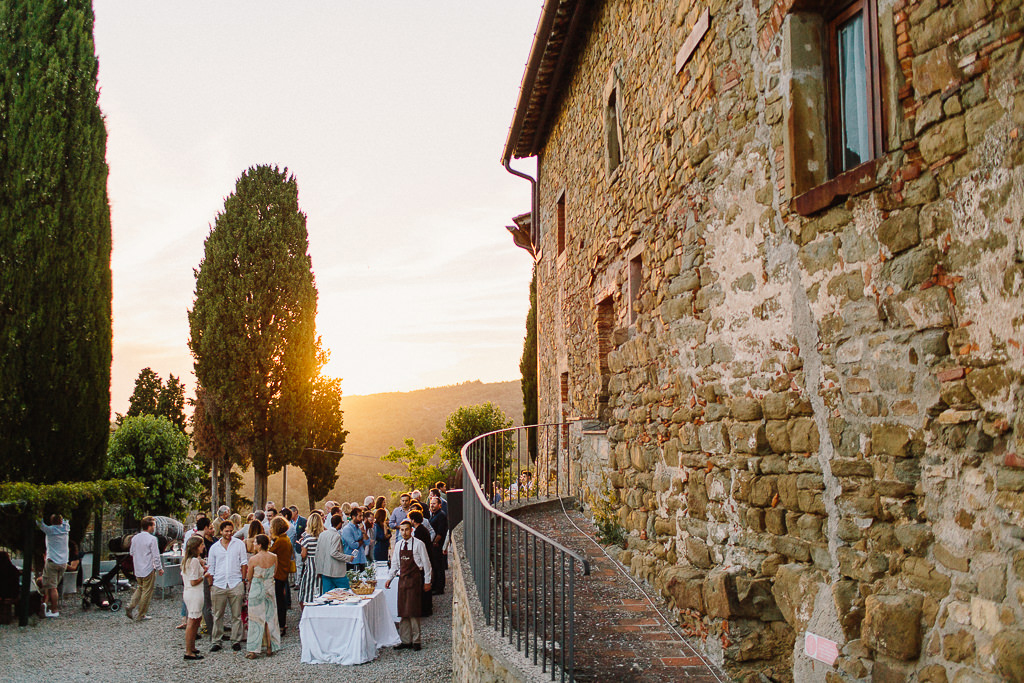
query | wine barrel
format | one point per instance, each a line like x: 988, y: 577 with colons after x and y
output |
x: 169, y: 528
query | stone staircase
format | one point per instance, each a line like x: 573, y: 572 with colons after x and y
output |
x: 620, y: 636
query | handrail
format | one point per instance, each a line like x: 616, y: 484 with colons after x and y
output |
x: 493, y: 510
x: 525, y: 580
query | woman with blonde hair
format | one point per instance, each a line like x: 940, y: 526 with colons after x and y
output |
x: 255, y: 529
x: 262, y: 603
x: 309, y: 587
x: 236, y: 521
x: 193, y: 571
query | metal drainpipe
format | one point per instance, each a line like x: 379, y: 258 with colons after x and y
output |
x: 534, y: 225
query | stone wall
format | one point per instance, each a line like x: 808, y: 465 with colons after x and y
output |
x: 814, y: 421
x: 478, y: 654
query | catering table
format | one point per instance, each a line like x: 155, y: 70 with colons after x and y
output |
x: 390, y: 594
x: 346, y: 634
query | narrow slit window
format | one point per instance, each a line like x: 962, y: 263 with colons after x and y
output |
x: 636, y: 267
x: 564, y: 409
x: 605, y: 329
x: 611, y: 126
x: 560, y: 218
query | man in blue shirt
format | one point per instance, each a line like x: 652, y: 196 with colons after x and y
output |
x: 352, y: 539
x: 294, y: 534
x: 399, y: 513
x: 57, y: 556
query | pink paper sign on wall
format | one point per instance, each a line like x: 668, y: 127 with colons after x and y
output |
x: 822, y: 649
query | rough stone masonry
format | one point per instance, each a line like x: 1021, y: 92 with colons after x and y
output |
x: 800, y: 392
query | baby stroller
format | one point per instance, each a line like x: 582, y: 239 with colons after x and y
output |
x: 100, y: 591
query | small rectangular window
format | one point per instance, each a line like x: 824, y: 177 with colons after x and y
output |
x: 854, y: 106
x: 560, y: 217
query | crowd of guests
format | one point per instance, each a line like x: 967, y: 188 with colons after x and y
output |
x: 238, y: 577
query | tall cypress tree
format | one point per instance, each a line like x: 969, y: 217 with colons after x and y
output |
x: 528, y: 367
x: 55, y: 285
x: 253, y: 323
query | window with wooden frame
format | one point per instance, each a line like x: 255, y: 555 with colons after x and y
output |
x: 854, y: 86
x: 835, y: 118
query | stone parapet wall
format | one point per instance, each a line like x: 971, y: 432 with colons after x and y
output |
x: 813, y: 422
x: 478, y: 654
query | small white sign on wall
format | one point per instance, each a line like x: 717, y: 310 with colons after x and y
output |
x: 820, y: 648
x: 699, y: 29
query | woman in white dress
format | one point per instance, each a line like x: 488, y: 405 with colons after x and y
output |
x: 193, y: 573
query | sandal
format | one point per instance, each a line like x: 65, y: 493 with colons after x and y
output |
x: 194, y: 656
x: 252, y: 655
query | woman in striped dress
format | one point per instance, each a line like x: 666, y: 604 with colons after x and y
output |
x: 309, y: 587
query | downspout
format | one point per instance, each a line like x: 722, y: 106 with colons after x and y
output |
x: 534, y: 224
x: 540, y: 40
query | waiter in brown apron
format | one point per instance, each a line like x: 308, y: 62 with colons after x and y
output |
x: 411, y: 563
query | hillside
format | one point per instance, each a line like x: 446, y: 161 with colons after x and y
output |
x: 376, y: 422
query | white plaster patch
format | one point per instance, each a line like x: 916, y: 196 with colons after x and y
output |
x: 985, y: 616
x: 960, y: 612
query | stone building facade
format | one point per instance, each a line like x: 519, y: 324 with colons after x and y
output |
x: 788, y: 338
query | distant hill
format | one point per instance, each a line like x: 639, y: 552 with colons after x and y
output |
x: 377, y: 422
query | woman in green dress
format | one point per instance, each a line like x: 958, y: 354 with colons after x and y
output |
x: 263, y: 628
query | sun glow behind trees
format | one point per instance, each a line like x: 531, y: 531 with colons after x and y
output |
x: 253, y: 324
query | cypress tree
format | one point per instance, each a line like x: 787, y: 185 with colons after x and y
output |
x: 148, y: 387
x: 528, y: 367
x: 253, y: 323
x: 55, y: 283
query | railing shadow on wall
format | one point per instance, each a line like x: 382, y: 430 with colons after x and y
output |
x: 525, y: 580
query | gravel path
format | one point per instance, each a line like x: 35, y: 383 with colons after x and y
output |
x: 104, y: 646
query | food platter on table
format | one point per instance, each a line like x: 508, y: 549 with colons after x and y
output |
x: 339, y: 596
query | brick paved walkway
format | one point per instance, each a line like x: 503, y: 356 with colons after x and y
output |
x: 620, y: 636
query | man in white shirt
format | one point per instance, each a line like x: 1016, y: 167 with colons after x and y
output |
x: 228, y: 569
x: 411, y: 564
x: 57, y: 556
x: 145, y: 552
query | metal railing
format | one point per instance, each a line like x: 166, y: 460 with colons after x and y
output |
x: 525, y: 580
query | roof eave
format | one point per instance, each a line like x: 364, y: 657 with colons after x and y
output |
x: 547, y: 59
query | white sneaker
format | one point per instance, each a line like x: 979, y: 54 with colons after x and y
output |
x: 51, y: 615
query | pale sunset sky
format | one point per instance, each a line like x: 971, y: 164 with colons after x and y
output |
x: 391, y: 115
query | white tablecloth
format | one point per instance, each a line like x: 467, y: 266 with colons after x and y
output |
x: 390, y: 594
x: 346, y: 634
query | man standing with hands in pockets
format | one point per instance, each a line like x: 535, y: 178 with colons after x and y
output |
x: 228, y: 565
x: 411, y: 563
